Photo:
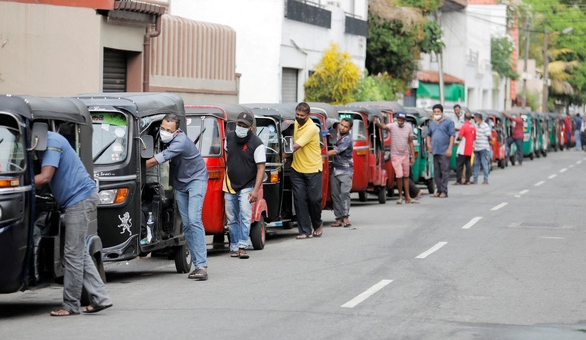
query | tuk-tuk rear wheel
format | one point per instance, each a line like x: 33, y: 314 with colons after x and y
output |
x: 431, y: 186
x: 258, y: 233
x: 382, y: 195
x: 362, y: 196
x: 183, y: 259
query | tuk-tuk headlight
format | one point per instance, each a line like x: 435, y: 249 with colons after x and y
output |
x: 113, y: 196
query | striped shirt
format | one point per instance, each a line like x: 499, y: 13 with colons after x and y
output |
x: 400, y: 139
x: 482, y: 134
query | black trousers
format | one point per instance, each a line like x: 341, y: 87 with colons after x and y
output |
x: 462, y: 161
x: 307, y: 197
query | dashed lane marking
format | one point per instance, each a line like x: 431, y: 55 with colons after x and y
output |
x: 497, y: 207
x: 366, y: 294
x: 539, y: 183
x: 431, y: 250
x: 552, y: 176
x: 553, y: 237
x: 564, y: 170
x: 578, y: 162
x: 472, y: 222
x: 571, y: 166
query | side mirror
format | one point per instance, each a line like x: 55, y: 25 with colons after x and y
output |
x: 39, y: 137
x: 147, y: 149
x: 288, y: 145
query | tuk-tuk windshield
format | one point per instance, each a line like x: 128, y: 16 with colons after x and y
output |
x: 266, y: 130
x: 205, y: 132
x: 110, y: 140
x: 11, y: 146
x: 358, y: 130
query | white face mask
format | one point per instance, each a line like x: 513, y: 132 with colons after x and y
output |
x: 166, y: 136
x: 241, y: 132
x: 437, y: 117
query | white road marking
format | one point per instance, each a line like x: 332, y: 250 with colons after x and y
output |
x: 553, y: 237
x: 497, y: 207
x: 539, y: 183
x: 517, y: 196
x: 366, y: 294
x: 431, y: 250
x: 523, y: 192
x: 552, y: 176
x: 472, y: 222
x: 578, y: 162
x: 564, y: 170
x: 571, y: 166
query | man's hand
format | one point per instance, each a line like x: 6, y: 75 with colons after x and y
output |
x: 253, y: 196
x: 412, y: 161
x: 449, y: 153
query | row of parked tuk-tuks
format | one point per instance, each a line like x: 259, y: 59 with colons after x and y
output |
x: 114, y: 134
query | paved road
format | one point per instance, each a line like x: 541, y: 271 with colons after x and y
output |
x: 497, y: 261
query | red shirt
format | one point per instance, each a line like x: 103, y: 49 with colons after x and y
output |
x: 518, y: 129
x: 568, y: 124
x: 468, y: 131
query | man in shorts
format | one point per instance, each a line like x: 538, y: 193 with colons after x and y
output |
x: 401, y: 153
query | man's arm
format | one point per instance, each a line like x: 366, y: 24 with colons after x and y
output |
x: 449, y: 152
x: 260, y: 173
x: 380, y: 125
x: 412, y: 157
x: 44, y: 176
x: 151, y: 162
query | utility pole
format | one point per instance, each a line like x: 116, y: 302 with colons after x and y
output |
x: 440, y: 67
x: 526, y: 58
x: 545, y: 72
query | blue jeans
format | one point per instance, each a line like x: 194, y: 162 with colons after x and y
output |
x: 519, y: 143
x: 578, y: 140
x: 238, y: 217
x: 190, y: 205
x: 481, y: 156
x: 79, y: 267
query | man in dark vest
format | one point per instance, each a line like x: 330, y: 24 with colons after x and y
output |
x: 245, y: 168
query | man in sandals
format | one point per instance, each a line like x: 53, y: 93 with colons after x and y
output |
x: 306, y: 174
x: 401, y: 153
x: 76, y: 194
x: 190, y: 182
x: 244, y: 175
x: 342, y: 170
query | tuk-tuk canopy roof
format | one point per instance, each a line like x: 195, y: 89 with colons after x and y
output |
x: 323, y: 109
x: 228, y: 112
x: 388, y: 105
x: 139, y: 104
x: 486, y: 113
x: 278, y: 111
x: 31, y: 107
x: 370, y: 111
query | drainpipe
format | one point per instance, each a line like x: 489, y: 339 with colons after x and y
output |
x: 147, y: 53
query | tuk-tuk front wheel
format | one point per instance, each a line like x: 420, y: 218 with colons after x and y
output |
x: 382, y: 194
x: 258, y: 233
x: 183, y: 260
x: 362, y: 196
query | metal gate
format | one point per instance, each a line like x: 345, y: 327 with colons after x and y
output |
x: 114, y: 77
x: 289, y: 85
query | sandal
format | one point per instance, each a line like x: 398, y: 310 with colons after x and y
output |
x: 95, y: 308
x: 413, y: 201
x: 242, y: 253
x: 318, y: 232
x: 303, y: 236
x: 234, y: 254
x: 400, y: 201
x: 337, y: 224
x: 200, y: 274
x: 63, y: 312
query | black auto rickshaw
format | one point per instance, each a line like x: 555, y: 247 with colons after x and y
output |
x: 31, y: 227
x: 126, y: 134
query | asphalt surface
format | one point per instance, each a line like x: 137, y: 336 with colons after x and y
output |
x: 497, y: 261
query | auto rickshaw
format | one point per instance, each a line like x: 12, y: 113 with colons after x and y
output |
x: 369, y: 166
x: 495, y: 120
x: 554, y: 131
x: 528, y: 134
x: 207, y: 126
x: 388, y: 110
x: 126, y: 134
x: 31, y: 225
x: 422, y: 169
x: 541, y: 133
x: 274, y: 126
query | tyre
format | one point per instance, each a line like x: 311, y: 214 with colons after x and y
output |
x: 513, y: 160
x: 391, y: 192
x: 362, y: 196
x: 218, y: 241
x: 183, y: 259
x: 258, y: 233
x: 532, y: 155
x: 382, y: 195
x: 544, y: 153
x: 430, y: 186
x: 537, y: 154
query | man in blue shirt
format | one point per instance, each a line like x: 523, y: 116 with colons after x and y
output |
x: 342, y: 172
x: 75, y: 192
x: 190, y: 181
x: 441, y: 138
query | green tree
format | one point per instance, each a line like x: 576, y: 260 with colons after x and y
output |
x: 378, y: 87
x: 501, y: 50
x: 335, y: 79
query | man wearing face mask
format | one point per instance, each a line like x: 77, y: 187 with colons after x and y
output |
x: 402, y: 152
x: 306, y: 174
x: 190, y: 181
x: 245, y: 168
x: 441, y: 138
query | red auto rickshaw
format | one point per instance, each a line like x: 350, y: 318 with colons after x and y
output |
x: 207, y: 126
x: 370, y: 174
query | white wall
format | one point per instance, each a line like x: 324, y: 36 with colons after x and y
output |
x: 264, y: 40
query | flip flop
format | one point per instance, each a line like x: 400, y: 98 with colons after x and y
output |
x: 400, y: 201
x: 413, y: 201
x: 199, y: 274
x: 95, y: 308
x: 303, y: 236
x: 63, y: 312
x: 337, y: 224
x: 242, y: 253
x: 316, y: 234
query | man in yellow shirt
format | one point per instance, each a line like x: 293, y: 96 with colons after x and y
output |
x: 306, y: 174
